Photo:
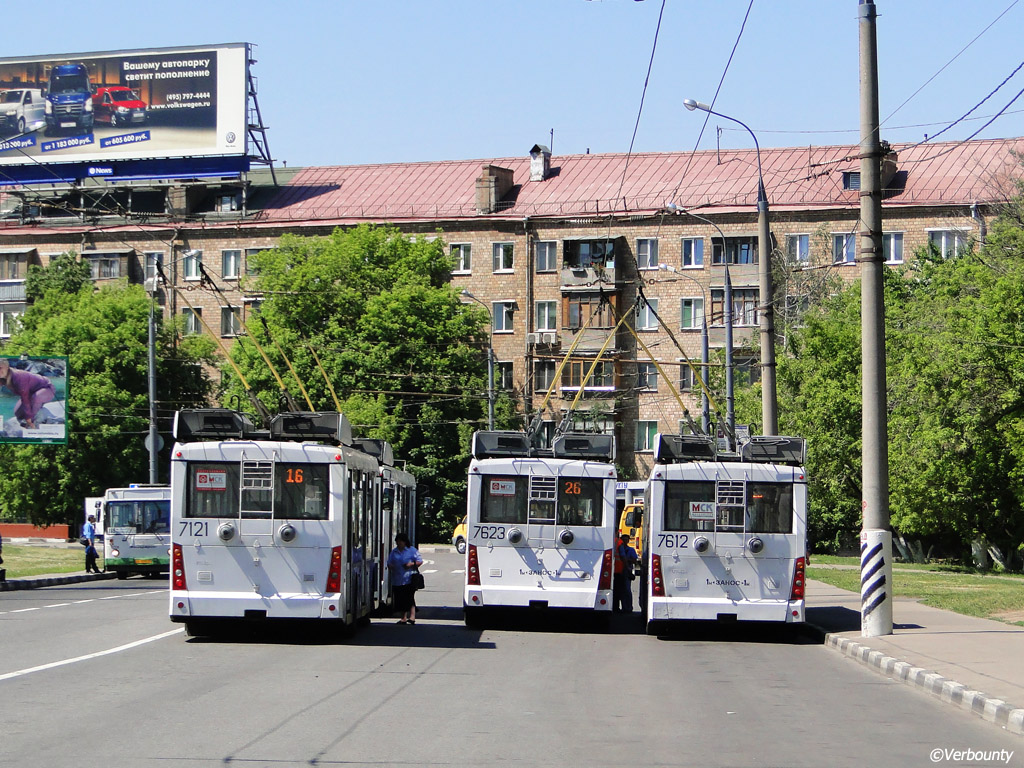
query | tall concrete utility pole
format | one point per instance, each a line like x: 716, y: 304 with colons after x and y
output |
x: 876, y: 534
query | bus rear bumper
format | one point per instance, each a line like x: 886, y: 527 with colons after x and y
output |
x: 706, y: 609
x: 240, y: 605
x: 511, y: 597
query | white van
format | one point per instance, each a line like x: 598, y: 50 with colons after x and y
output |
x: 21, y: 110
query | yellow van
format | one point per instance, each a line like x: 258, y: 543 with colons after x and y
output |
x: 632, y: 522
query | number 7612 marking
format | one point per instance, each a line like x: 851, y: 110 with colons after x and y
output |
x: 673, y: 540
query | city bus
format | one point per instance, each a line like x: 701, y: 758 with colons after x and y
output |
x: 540, y: 524
x: 286, y: 523
x: 136, y: 530
x: 725, y: 536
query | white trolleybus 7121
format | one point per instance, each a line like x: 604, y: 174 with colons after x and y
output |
x: 137, y: 530
x: 540, y: 528
x: 285, y: 523
x: 725, y: 537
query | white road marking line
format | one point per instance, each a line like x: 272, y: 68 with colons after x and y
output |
x: 56, y: 605
x: 429, y: 570
x: 25, y: 610
x: 88, y: 656
x: 460, y: 570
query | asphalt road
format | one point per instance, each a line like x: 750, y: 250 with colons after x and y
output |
x: 95, y: 674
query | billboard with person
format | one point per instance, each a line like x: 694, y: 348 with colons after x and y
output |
x: 115, y: 106
x: 33, y: 399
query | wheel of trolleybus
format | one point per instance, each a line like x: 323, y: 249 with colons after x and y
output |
x: 474, y: 616
x: 122, y: 575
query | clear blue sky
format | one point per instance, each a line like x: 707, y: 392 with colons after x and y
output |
x: 347, y: 82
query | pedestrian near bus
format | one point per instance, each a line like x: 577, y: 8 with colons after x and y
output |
x: 89, y: 533
x: 625, y: 564
x: 403, y: 561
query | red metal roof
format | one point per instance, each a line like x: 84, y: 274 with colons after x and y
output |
x: 585, y: 185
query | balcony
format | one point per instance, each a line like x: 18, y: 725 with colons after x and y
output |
x: 12, y: 290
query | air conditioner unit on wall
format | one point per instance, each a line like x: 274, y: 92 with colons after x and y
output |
x: 533, y: 338
x: 549, y: 338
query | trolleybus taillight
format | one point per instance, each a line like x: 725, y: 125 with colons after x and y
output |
x: 334, y: 572
x: 798, y: 580
x: 177, y: 567
x: 472, y: 567
x: 657, y: 582
x: 606, y: 571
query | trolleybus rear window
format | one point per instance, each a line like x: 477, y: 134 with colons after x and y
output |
x: 580, y: 501
x: 503, y: 499
x: 257, y: 489
x: 731, y: 505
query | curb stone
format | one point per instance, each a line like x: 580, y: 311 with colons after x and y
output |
x: 991, y: 709
x: 53, y: 581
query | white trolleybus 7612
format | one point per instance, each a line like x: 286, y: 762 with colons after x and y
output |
x: 725, y: 537
x: 539, y: 528
x: 137, y: 530
x: 285, y: 523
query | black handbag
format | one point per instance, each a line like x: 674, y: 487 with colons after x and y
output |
x: 83, y: 541
x: 416, y: 581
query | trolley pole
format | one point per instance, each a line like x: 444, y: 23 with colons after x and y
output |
x: 876, y: 534
x: 154, y: 435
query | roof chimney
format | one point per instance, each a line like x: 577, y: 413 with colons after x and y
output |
x: 540, y: 162
x: 493, y: 184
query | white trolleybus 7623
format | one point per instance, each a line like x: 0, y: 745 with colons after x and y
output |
x: 137, y: 530
x: 285, y: 523
x: 540, y: 525
x: 725, y: 537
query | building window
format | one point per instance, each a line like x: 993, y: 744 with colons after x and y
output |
x: 230, y: 322
x: 892, y: 247
x: 252, y: 307
x: 581, y: 254
x: 646, y: 315
x: 546, y: 318
x: 461, y: 253
x: 691, y: 313
x: 546, y: 251
x: 686, y: 378
x: 798, y: 248
x: 192, y: 322
x: 851, y: 179
x: 231, y: 264
x: 152, y: 260
x: 9, y: 314
x: 744, y: 306
x: 950, y: 242
x: 738, y: 250
x: 104, y: 266
x: 502, y: 257
x: 647, y: 377
x: 250, y: 268
x: 645, y: 432
x: 693, y: 252
x: 503, y: 374
x: 9, y: 266
x: 578, y: 309
x: 546, y: 435
x: 543, y: 375
x: 190, y: 264
x: 602, y: 379
x: 647, y: 253
x: 844, y: 249
x: 503, y: 316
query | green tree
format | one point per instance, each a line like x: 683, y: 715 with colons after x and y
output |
x: 397, y: 345
x: 104, y: 335
x: 65, y: 275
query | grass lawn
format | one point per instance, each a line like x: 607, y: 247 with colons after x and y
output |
x: 22, y: 562
x: 972, y: 594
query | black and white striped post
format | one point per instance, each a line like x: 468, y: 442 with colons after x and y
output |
x: 876, y: 535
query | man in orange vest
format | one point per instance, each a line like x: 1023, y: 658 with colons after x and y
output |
x: 625, y: 563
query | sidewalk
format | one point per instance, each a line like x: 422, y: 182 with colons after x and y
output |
x: 974, y: 664
x: 52, y: 580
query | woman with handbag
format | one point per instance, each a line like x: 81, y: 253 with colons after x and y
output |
x: 403, y: 562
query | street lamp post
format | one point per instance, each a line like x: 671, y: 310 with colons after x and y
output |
x: 769, y: 404
x: 490, y: 359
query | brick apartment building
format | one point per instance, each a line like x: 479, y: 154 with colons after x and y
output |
x: 547, y: 244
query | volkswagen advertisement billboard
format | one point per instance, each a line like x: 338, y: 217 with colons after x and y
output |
x: 113, y: 113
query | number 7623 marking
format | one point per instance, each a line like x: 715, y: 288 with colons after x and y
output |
x: 673, y: 540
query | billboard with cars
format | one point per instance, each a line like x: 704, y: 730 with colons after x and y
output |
x: 110, y: 107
